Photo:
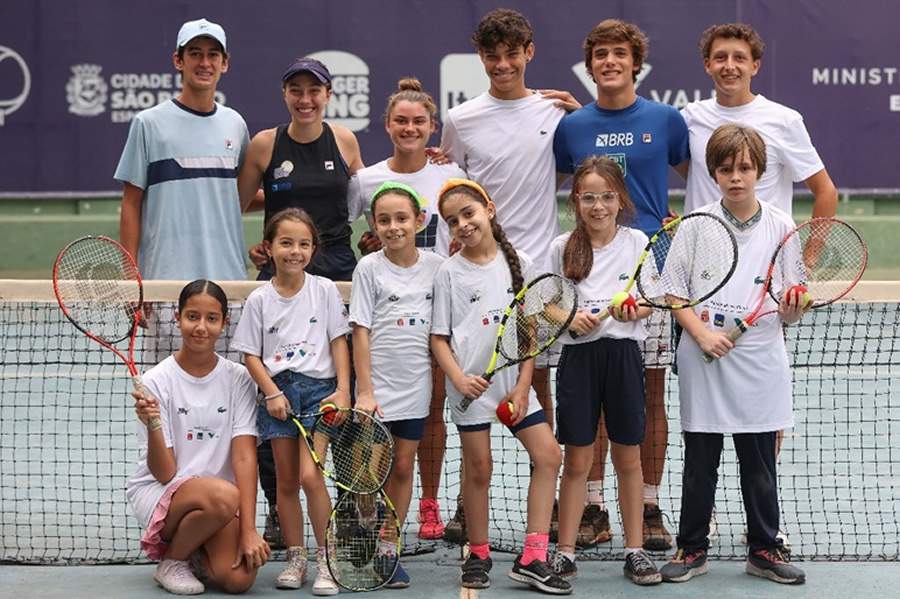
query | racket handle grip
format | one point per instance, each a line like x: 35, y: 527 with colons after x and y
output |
x: 465, y: 403
x: 734, y: 334
x: 600, y: 318
x: 155, y: 423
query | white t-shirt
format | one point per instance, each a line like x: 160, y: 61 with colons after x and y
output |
x: 790, y: 155
x: 506, y: 146
x: 748, y: 390
x: 394, y: 303
x: 469, y: 301
x: 200, y: 417
x: 613, y: 265
x: 293, y: 333
x: 427, y: 182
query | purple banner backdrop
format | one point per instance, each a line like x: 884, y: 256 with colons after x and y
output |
x: 72, y: 74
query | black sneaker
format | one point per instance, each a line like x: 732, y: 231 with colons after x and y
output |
x: 541, y: 576
x: 641, y: 569
x: 564, y: 567
x: 774, y: 564
x: 475, y: 572
x: 685, y: 565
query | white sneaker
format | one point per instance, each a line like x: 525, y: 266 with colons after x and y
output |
x: 294, y: 574
x: 324, y: 584
x: 713, y: 535
x: 176, y: 577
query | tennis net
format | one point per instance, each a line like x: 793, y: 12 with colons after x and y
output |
x: 67, y: 442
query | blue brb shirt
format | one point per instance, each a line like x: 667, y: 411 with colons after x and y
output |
x: 644, y: 139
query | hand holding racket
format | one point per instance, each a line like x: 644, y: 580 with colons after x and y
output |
x: 349, y: 446
x: 363, y: 541
x: 531, y: 323
x: 98, y: 287
x: 684, y: 263
x: 815, y: 264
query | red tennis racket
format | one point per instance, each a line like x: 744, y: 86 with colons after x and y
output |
x: 98, y: 287
x: 825, y: 255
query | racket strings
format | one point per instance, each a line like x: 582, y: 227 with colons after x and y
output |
x: 99, y: 287
x: 834, y: 256
x: 360, y: 556
x: 540, y: 316
x: 359, y: 452
x: 688, y: 263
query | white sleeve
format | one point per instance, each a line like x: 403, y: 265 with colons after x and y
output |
x: 337, y: 313
x: 133, y: 163
x: 800, y: 156
x: 442, y: 308
x: 362, y: 294
x: 529, y: 269
x: 243, y: 404
x: 248, y: 333
x: 451, y: 145
x: 356, y: 205
x: 557, y: 249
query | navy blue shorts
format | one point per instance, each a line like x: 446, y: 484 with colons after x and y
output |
x: 530, y: 420
x: 608, y: 375
x: 412, y: 429
x: 304, y: 393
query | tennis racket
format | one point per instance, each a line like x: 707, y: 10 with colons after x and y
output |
x: 531, y: 323
x: 825, y: 255
x: 349, y: 446
x: 684, y: 263
x: 98, y: 287
x: 363, y: 541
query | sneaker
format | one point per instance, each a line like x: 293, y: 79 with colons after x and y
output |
x: 685, y: 565
x: 713, y: 535
x: 564, y: 567
x: 656, y: 537
x: 430, y: 525
x: 198, y: 567
x: 455, y: 531
x: 324, y: 584
x: 272, y: 532
x: 175, y: 576
x: 774, y: 564
x: 400, y: 579
x: 594, y: 527
x: 294, y: 574
x: 475, y: 572
x: 541, y: 576
x: 554, y: 523
x: 640, y: 569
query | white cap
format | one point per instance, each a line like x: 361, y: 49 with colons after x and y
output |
x: 200, y: 27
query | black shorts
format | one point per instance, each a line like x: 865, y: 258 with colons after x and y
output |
x: 605, y: 374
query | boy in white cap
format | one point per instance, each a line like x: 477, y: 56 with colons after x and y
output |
x: 181, y: 216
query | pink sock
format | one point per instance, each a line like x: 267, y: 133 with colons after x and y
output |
x: 535, y: 547
x: 482, y: 551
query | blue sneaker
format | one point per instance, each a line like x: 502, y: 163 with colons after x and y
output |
x: 400, y: 579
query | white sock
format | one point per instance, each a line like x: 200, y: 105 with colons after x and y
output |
x: 595, y: 494
x: 651, y: 494
x: 386, y: 548
x: 569, y: 554
x: 630, y: 550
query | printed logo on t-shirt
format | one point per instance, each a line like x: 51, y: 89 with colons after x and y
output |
x: 183, y: 411
x: 719, y: 320
x: 393, y: 298
x: 273, y: 330
x: 704, y: 316
x: 491, y: 318
x: 647, y: 138
x: 476, y: 297
x: 607, y: 140
x: 619, y: 158
x: 313, y: 320
x: 222, y: 410
x: 623, y: 276
x: 759, y: 280
x: 229, y: 145
x: 428, y: 296
x: 286, y: 168
x: 329, y: 165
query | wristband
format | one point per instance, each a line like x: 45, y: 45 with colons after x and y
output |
x: 274, y: 395
x: 154, y: 426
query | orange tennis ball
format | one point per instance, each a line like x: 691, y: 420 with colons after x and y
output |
x: 801, y: 293
x: 506, y: 412
x: 329, y: 413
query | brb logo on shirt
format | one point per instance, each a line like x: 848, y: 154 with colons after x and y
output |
x: 609, y: 140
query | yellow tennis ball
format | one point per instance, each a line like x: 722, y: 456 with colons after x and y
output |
x: 619, y: 299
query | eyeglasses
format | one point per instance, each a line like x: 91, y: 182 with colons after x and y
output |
x: 589, y: 198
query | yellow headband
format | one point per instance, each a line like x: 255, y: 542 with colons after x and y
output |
x: 455, y: 182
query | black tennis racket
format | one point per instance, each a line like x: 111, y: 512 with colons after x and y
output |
x: 531, y: 323
x: 363, y: 541
x: 349, y: 446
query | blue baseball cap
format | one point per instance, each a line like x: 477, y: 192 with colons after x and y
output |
x: 308, y: 65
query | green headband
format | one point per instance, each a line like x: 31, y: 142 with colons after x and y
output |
x: 394, y: 185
